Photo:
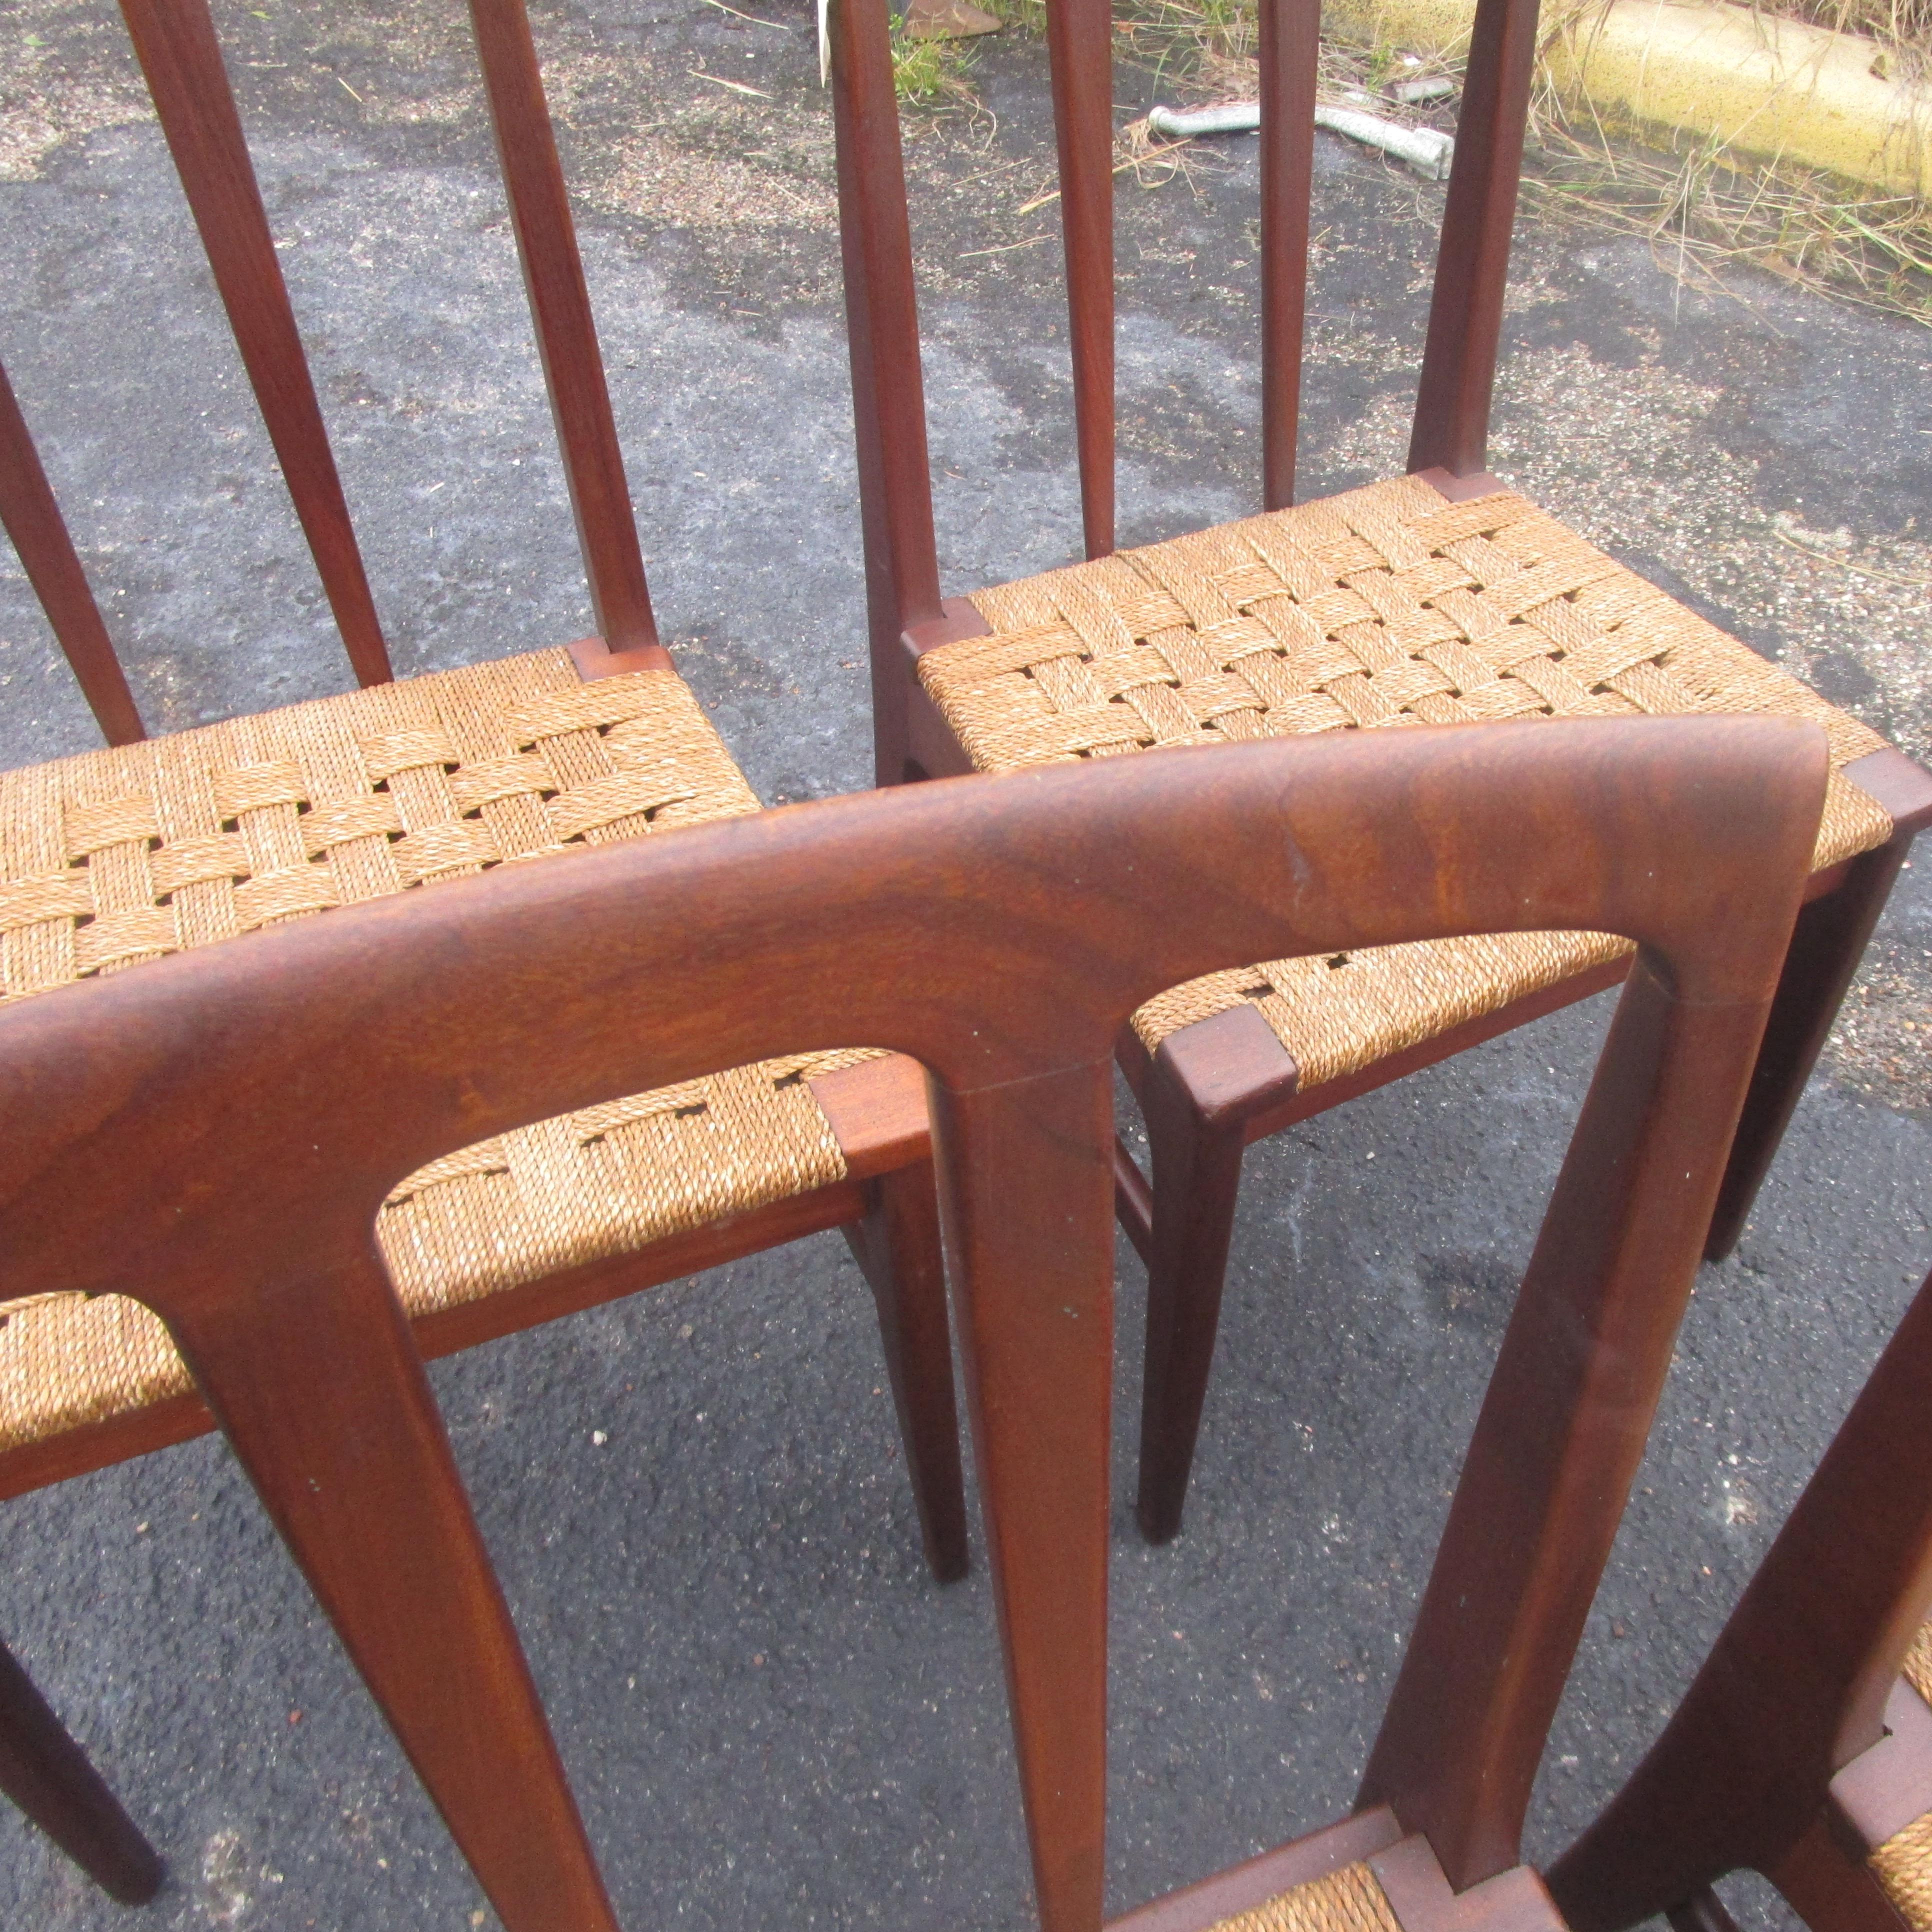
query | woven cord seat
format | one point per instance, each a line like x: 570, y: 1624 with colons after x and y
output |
x: 1381, y: 607
x: 1350, y: 1899
x: 118, y: 857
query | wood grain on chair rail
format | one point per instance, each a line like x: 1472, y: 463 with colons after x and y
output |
x: 992, y: 930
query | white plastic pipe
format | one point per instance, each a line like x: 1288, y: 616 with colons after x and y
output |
x: 1428, y: 151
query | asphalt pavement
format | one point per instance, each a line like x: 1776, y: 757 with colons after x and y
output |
x: 770, y: 1713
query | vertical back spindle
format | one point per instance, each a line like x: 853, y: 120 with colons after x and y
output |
x: 176, y: 42
x: 888, y: 387
x: 1459, y: 365
x: 1079, y: 39
x: 586, y: 433
x: 1291, y: 34
x: 33, y: 520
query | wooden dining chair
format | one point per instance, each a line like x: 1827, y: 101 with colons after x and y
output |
x: 1644, y: 828
x: 115, y: 859
x: 1803, y: 1748
x: 1439, y: 596
x: 304, y: 1066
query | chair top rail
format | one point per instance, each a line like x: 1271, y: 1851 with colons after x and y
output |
x: 990, y: 929
x: 181, y: 58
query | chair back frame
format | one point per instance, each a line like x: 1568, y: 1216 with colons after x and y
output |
x: 188, y: 82
x: 215, y: 1133
x: 1451, y: 427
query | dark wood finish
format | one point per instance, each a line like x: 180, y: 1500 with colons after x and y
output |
x: 930, y: 751
x: 45, y: 1773
x: 1557, y: 1443
x: 1133, y: 1201
x: 995, y: 931
x: 1291, y: 35
x: 75, y: 1452
x: 1447, y: 450
x: 877, y: 1110
x: 1423, y: 1900
x: 1241, y: 1888
x: 33, y: 521
x: 1889, y: 1783
x: 888, y: 393
x: 1451, y: 429
x: 1831, y: 939
x: 1703, y: 1912
x: 1903, y: 788
x: 1562, y: 1429
x: 594, y: 658
x: 1080, y: 51
x: 879, y: 1201
x: 322, y: 1397
x: 897, y: 1248
x: 580, y: 401
x: 1828, y: 1884
x: 1246, y: 1080
x: 1196, y: 1099
x: 1785, y: 1722
x: 181, y: 59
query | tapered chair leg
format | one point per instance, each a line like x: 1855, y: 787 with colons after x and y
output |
x: 1197, y: 1179
x: 47, y: 1775
x: 897, y: 1248
x: 322, y: 1396
x: 1830, y: 940
x: 1029, y: 1225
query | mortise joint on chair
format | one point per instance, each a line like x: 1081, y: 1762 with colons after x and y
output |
x: 1351, y: 1862
x: 931, y: 750
x: 1888, y: 1787
x: 594, y: 658
x: 1458, y: 489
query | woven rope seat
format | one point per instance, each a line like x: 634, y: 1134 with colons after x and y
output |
x: 1903, y: 1865
x: 1350, y: 1900
x: 1384, y: 606
x: 116, y: 857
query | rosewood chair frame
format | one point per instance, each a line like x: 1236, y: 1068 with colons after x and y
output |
x: 1431, y: 834
x: 1216, y: 1087
x: 355, y: 1048
x: 1799, y: 1749
x: 884, y: 1205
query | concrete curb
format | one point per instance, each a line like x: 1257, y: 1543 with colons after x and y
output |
x: 1773, y: 89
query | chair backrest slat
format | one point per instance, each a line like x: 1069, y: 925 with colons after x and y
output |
x: 1080, y: 46
x: 1451, y: 421
x: 1291, y: 34
x: 33, y: 521
x: 586, y: 433
x: 180, y: 57
x: 1465, y: 313
x: 882, y: 328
